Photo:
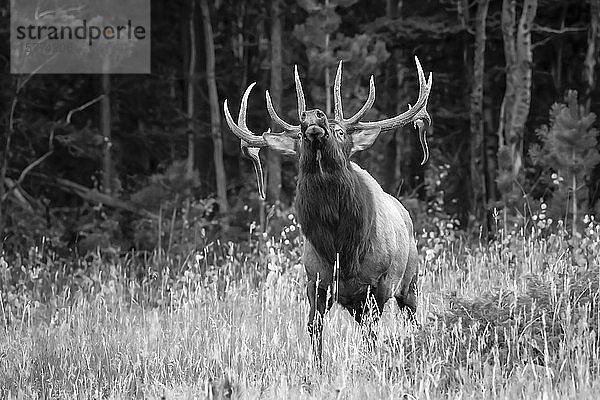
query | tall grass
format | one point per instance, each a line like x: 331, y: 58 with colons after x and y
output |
x: 516, y: 318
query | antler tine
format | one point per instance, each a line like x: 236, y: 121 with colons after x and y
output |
x: 420, y: 125
x: 366, y: 107
x: 244, y: 107
x: 299, y: 92
x: 421, y: 75
x: 241, y: 130
x: 288, y: 127
x: 423, y: 83
x: 337, y: 94
x: 422, y: 116
x: 407, y: 116
x: 429, y: 85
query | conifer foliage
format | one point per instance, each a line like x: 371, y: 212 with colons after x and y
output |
x: 569, y: 151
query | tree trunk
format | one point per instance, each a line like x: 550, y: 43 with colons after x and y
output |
x: 392, y: 169
x: 463, y: 13
x: 243, y: 52
x: 106, y: 134
x: 276, y: 90
x: 491, y: 148
x: 5, y: 153
x: 477, y: 142
x: 327, y: 81
x: 574, y: 205
x: 215, y: 116
x: 522, y: 83
x: 401, y: 171
x: 589, y: 78
x: 191, y: 81
x: 557, y: 68
x: 243, y: 63
x: 264, y: 55
x: 407, y: 170
x: 469, y: 206
x: 510, y: 55
x: 591, y: 56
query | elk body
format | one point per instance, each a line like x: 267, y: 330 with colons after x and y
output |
x: 348, y: 221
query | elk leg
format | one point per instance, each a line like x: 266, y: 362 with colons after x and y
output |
x: 317, y: 298
x: 364, y: 307
x: 368, y: 312
x: 407, y: 296
x: 408, y: 300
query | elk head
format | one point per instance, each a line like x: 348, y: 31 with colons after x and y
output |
x: 322, y: 141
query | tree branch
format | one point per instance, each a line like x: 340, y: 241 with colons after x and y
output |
x: 81, y: 108
x: 547, y: 29
x: 50, y: 151
x: 95, y: 196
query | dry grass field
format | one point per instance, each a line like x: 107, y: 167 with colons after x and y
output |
x: 515, y: 319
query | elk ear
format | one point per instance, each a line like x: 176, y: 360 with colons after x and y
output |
x: 281, y: 143
x: 364, y: 139
x: 278, y: 142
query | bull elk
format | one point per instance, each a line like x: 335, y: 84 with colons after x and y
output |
x: 346, y: 217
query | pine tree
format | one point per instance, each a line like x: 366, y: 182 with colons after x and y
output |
x: 569, y: 150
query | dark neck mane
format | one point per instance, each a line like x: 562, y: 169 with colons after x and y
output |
x: 336, y: 211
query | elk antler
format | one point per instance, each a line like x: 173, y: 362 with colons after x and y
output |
x: 423, y: 115
x: 337, y: 99
x: 299, y: 93
x: 240, y: 129
x: 417, y: 114
x: 301, y: 106
x: 364, y: 133
x: 251, y: 143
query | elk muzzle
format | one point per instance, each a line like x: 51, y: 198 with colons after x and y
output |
x: 314, y: 132
x: 313, y: 125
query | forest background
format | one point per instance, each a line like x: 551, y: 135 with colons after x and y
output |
x: 146, y: 161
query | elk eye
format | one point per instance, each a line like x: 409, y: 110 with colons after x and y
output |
x: 303, y: 116
x: 320, y: 114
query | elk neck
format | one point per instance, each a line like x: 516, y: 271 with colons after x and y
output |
x: 335, y: 209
